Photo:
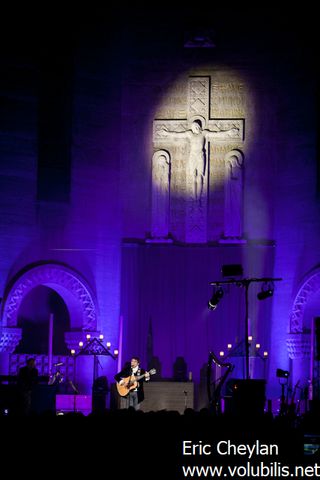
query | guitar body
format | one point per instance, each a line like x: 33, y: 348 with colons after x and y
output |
x: 130, y: 383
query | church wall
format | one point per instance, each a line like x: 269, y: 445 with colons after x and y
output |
x: 124, y: 78
x: 83, y: 232
x: 18, y: 161
x: 296, y: 213
x: 280, y: 200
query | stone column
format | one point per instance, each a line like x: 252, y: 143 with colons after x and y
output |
x: 298, y: 345
x: 9, y: 339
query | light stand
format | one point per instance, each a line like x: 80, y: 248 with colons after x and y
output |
x: 95, y: 347
x: 283, y: 374
x: 245, y: 282
x: 283, y: 402
x: 74, y: 382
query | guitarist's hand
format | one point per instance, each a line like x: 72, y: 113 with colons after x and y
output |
x: 121, y: 382
x: 147, y: 376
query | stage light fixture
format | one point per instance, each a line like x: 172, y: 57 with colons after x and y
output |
x: 282, y: 373
x: 266, y: 291
x: 215, y: 299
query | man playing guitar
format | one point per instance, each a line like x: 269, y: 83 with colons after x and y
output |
x: 130, y: 381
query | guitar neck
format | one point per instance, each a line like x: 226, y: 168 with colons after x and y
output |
x: 140, y: 376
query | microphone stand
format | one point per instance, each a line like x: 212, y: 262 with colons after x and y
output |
x: 185, y: 399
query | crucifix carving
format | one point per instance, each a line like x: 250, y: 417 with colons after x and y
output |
x: 198, y: 130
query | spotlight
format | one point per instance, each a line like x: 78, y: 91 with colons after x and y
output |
x: 282, y: 373
x: 266, y: 292
x: 215, y: 299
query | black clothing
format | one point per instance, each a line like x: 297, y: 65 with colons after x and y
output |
x: 127, y: 372
x: 27, y: 378
x: 26, y: 382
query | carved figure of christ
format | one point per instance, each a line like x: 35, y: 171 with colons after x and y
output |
x: 198, y: 139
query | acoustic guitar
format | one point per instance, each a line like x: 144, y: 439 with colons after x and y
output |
x: 130, y: 383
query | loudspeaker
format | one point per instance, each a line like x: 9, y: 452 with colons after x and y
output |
x: 100, y: 389
x: 248, y: 397
x: 232, y: 270
x: 314, y: 406
x: 180, y: 370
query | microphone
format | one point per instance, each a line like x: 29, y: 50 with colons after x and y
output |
x: 74, y: 388
x: 59, y: 364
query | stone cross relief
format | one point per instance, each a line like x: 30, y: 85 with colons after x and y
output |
x: 198, y: 130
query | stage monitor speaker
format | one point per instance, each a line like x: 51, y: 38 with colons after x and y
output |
x: 248, y: 397
x: 9, y: 399
x: 99, y: 402
x: 43, y: 399
x: 100, y: 390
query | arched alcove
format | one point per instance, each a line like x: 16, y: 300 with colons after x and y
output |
x: 306, y: 294
x: 306, y: 305
x: 68, y: 284
x: 33, y: 318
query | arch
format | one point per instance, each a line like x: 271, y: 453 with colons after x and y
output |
x: 235, y: 153
x: 309, y: 287
x: 198, y: 118
x: 69, y: 284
